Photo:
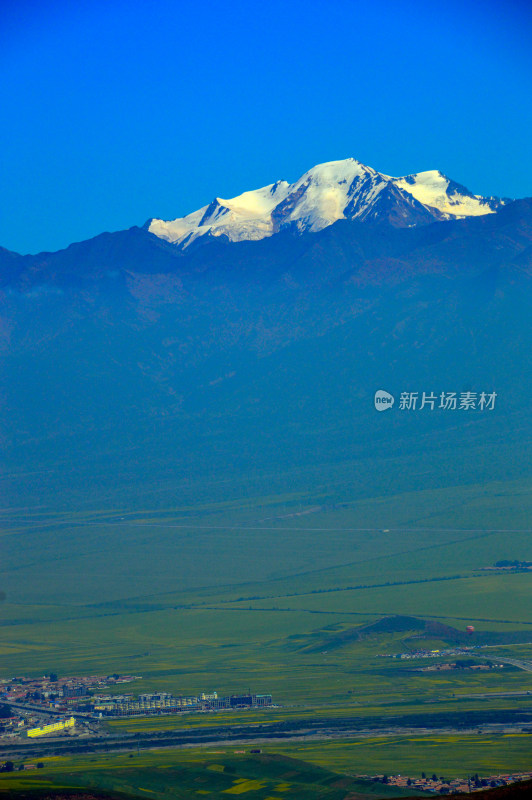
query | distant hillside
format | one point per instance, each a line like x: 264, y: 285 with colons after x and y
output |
x: 261, y: 774
x: 126, y: 360
x: 417, y: 629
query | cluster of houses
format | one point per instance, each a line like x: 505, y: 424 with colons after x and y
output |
x: 456, y: 785
x: 50, y: 690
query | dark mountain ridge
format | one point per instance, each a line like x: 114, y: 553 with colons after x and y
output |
x: 266, y: 355
x: 138, y: 250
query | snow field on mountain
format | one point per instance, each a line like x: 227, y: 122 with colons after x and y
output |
x: 326, y: 193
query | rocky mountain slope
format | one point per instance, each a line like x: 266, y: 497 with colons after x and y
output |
x: 326, y: 193
x: 126, y: 358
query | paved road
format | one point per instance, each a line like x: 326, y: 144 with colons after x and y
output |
x: 51, y: 712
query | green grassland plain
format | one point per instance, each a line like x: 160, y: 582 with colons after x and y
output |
x: 299, y: 769
x: 268, y: 593
x: 217, y: 773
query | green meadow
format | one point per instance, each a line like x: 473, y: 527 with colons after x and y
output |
x: 283, y: 595
x: 305, y: 769
x: 218, y: 773
x: 446, y: 755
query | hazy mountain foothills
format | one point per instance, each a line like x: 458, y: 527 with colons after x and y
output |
x: 126, y: 355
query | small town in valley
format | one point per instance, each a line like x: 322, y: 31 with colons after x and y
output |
x: 33, y: 707
x: 442, y: 785
x: 50, y: 708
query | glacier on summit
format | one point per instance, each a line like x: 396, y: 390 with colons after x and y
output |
x: 345, y: 189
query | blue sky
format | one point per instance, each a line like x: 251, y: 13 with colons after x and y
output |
x: 115, y: 112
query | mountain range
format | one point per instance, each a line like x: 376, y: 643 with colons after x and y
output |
x: 238, y: 349
x: 326, y: 193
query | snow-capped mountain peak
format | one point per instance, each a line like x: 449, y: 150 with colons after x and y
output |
x: 345, y: 189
